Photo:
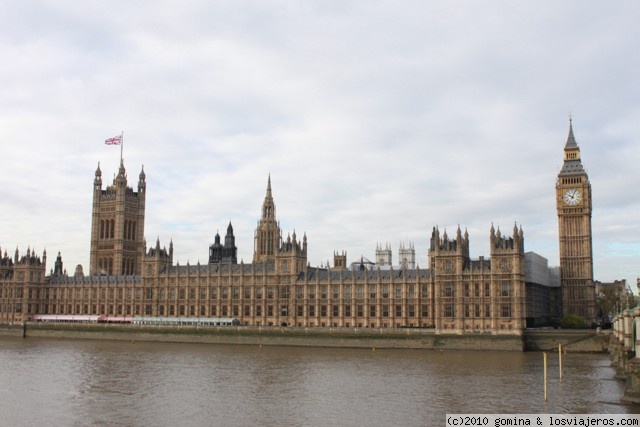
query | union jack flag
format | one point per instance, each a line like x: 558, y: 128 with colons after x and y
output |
x: 116, y: 140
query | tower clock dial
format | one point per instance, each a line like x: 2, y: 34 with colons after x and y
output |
x: 572, y: 196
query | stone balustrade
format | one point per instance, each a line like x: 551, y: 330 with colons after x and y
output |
x: 624, y: 349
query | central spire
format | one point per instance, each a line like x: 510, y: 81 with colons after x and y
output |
x: 269, y: 187
x: 268, y: 207
x: 268, y: 235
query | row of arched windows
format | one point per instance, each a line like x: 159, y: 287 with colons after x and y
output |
x: 108, y: 226
x: 105, y: 266
x: 129, y: 230
x: 572, y: 180
x: 128, y: 266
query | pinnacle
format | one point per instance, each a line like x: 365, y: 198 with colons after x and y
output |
x: 571, y: 140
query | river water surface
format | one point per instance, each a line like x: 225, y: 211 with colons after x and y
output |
x: 108, y: 383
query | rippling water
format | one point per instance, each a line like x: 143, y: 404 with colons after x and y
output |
x: 100, y: 383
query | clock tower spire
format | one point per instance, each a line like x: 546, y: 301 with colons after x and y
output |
x: 573, y: 201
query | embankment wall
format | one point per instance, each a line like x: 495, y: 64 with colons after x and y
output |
x: 308, y: 337
x: 572, y: 340
x: 530, y: 340
x: 14, y: 330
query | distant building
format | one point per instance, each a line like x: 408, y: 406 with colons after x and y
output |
x: 224, y: 254
x: 544, y: 306
x: 407, y: 256
x: 612, y: 297
x: 384, y: 257
x: 620, y: 288
x: 339, y: 260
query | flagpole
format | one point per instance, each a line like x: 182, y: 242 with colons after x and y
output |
x: 121, y: 145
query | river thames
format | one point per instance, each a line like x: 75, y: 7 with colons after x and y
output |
x: 108, y: 383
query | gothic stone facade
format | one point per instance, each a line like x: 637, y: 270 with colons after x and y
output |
x: 117, y: 225
x: 573, y: 201
x: 454, y: 295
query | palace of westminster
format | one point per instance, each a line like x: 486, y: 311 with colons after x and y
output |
x: 501, y: 294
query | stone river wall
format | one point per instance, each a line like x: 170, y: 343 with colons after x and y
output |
x: 410, y: 338
x: 572, y: 340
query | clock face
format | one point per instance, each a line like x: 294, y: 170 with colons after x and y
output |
x: 572, y: 196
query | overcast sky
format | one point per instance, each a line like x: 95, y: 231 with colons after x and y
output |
x: 377, y: 121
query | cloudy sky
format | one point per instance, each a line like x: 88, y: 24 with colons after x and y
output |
x: 377, y: 120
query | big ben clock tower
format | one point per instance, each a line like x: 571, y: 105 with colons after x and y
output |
x: 573, y: 201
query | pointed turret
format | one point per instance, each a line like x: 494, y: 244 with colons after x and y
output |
x: 120, y: 181
x: 142, y: 183
x: 230, y: 251
x: 435, y: 239
x: 121, y: 170
x: 97, y: 181
x: 58, y: 267
x: 521, y: 238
